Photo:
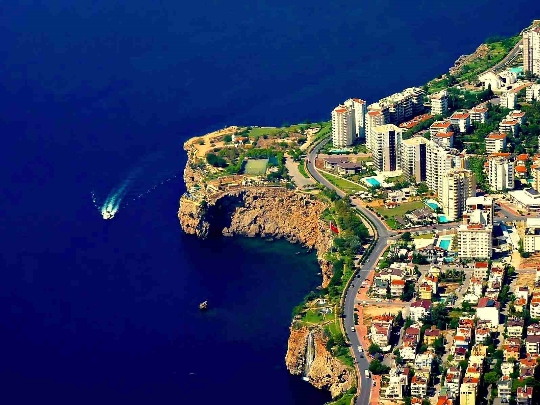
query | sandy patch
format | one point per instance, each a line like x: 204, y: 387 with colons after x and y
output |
x: 524, y: 279
x: 374, y: 310
x: 531, y: 262
x: 211, y: 140
x: 421, y: 243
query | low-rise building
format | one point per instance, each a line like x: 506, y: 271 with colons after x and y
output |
x: 507, y: 368
x: 452, y: 382
x: 468, y: 391
x: 514, y: 327
x: 479, y: 114
x: 532, y: 345
x: 445, y: 139
x: 431, y: 335
x: 504, y: 388
x: 480, y: 270
x: 482, y: 335
x: 508, y: 99
x: 425, y: 291
x: 419, y: 309
x: 440, y: 126
x: 424, y: 361
x: 419, y: 384
x: 398, y: 381
x: 380, y: 333
x: 495, y: 142
x: 488, y: 310
x: 509, y: 126
x: 396, y: 288
x: 524, y: 395
x: 461, y: 121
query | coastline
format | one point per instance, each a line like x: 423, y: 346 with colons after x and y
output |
x: 271, y: 212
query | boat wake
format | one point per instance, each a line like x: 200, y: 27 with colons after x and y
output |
x: 153, y: 169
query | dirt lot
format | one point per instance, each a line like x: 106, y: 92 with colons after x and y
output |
x: 524, y: 279
x: 374, y: 310
x: 531, y: 262
x: 450, y: 287
x: 210, y: 138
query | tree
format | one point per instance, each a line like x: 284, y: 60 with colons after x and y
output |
x: 491, y: 378
x: 377, y: 368
x: 374, y: 349
x: 407, y: 400
x: 406, y: 236
x: 215, y: 160
x: 438, y: 345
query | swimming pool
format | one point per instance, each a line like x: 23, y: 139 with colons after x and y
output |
x: 445, y: 244
x: 443, y: 219
x: 373, y: 181
x: 434, y: 205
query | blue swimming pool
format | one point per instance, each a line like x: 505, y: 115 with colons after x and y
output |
x: 373, y: 181
x: 443, y: 219
x: 445, y: 244
x: 432, y: 204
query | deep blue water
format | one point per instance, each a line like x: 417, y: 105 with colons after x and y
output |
x: 93, y: 92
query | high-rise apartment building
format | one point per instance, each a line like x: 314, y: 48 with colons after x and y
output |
x: 399, y: 107
x: 386, y: 147
x: 531, y: 50
x: 458, y: 185
x: 413, y: 158
x: 501, y: 173
x: 495, y: 142
x: 359, y: 108
x: 475, y: 241
x: 373, y: 119
x: 440, y: 160
x: 342, y: 126
x: 533, y: 93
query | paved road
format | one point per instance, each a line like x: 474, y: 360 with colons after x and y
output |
x: 383, y: 236
x: 298, y: 179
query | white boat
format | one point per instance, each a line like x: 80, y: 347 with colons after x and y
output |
x: 108, y: 215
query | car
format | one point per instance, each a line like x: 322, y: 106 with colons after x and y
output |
x: 352, y: 329
x: 360, y: 349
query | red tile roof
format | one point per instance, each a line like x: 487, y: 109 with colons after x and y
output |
x: 496, y: 135
x: 520, y: 169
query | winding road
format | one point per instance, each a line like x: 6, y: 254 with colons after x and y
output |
x: 383, y: 235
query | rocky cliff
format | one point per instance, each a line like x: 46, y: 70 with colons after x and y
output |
x: 325, y: 371
x: 233, y: 207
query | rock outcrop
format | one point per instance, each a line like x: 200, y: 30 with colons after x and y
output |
x: 325, y: 372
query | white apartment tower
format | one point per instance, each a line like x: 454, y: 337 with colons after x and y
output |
x: 531, y: 50
x: 475, y: 241
x: 508, y: 100
x: 359, y: 108
x: 413, y: 158
x: 439, y: 103
x: 440, y: 160
x: 386, y: 147
x: 342, y: 126
x: 501, y: 173
x: 373, y: 119
x: 533, y: 93
x: 458, y: 185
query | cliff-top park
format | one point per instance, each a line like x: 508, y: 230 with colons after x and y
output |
x: 422, y: 208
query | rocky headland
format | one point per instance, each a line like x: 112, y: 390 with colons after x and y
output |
x: 234, y: 206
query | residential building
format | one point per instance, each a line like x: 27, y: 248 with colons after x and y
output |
x: 413, y: 158
x: 507, y: 368
x: 359, y: 109
x: 431, y: 335
x: 458, y: 185
x: 509, y: 126
x: 439, y: 103
x: 401, y: 106
x: 532, y: 345
x: 514, y: 327
x: 386, y: 147
x: 373, y: 119
x: 342, y: 126
x: 410, y: 341
x: 331, y: 162
x: 501, y: 173
x: 440, y: 160
x: 475, y: 241
x: 531, y: 50
x: 533, y: 93
x: 380, y: 333
x: 495, y: 142
x: 419, y: 309
x: 452, y: 382
x: 424, y: 361
x: 425, y: 291
x: 508, y: 99
x: 396, y: 288
x: 488, y: 310
x: 348, y: 168
x: 481, y: 268
x: 479, y: 210
x: 527, y: 199
x: 534, y: 308
x: 461, y: 120
x: 419, y: 384
x: 479, y: 114
x: 398, y: 381
x: 531, y: 235
x: 524, y: 394
x: 445, y: 139
x: 504, y: 388
x: 482, y: 335
x: 467, y: 391
x: 440, y: 126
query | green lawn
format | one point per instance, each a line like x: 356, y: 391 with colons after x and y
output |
x: 302, y: 170
x: 254, y: 132
x: 400, y: 210
x: 424, y: 236
x: 343, y: 184
x: 344, y: 400
x: 313, y: 316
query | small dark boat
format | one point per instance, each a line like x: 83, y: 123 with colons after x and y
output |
x: 203, y: 305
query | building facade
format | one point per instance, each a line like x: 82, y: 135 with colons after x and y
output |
x: 342, y: 126
x: 458, y: 185
x: 386, y: 147
x: 413, y: 158
x: 501, y: 173
x: 531, y: 50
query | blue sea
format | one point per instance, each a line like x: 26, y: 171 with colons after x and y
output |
x: 96, y: 100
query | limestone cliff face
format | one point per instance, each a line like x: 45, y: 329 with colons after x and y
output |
x: 325, y: 372
x: 270, y: 212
